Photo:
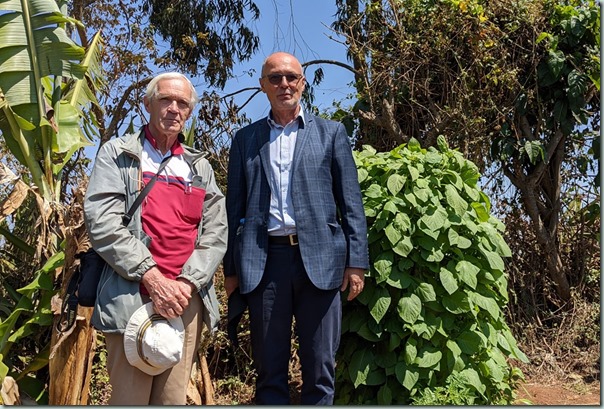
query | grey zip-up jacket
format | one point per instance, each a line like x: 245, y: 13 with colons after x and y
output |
x: 114, y: 184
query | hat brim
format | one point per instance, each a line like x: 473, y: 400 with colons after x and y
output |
x: 136, y: 321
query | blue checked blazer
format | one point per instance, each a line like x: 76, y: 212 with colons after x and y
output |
x: 330, y: 220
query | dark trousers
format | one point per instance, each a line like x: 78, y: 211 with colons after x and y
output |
x: 285, y: 292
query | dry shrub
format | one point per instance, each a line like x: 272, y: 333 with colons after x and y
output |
x: 562, y: 339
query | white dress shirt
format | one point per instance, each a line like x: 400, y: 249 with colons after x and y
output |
x: 282, y: 217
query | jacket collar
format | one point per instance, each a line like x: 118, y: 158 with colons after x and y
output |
x: 133, y: 145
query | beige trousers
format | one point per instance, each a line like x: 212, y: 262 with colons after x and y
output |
x: 131, y: 386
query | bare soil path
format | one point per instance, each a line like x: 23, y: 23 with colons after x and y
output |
x: 567, y: 393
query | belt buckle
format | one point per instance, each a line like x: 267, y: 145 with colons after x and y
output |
x: 291, y: 240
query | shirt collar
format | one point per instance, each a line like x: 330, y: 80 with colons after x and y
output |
x: 273, y: 124
x: 175, y: 149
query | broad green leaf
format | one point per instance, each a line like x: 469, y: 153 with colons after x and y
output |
x: 403, y: 247
x: 493, y: 369
x: 30, y: 326
x: 393, y: 234
x: 514, y: 347
x: 70, y: 136
x: 486, y: 303
x: 376, y: 376
x: 434, y: 218
x: 486, y: 201
x: 374, y: 191
x: 470, y: 342
x: 410, y: 378
x: 409, y: 308
x: 394, y: 341
x: 3, y: 368
x: 410, y: 198
x: 448, y: 280
x: 366, y: 295
x: 502, y: 248
x: 362, y: 174
x: 414, y: 145
x: 422, y: 195
x: 360, y: 366
x: 453, y: 178
x: 468, y: 273
x: 472, y: 379
x: 410, y: 350
x: 433, y: 157
x: 463, y: 243
x: 453, y: 347
x: 395, y: 183
x: 366, y: 333
x: 434, y: 255
x: 442, y: 143
x: 413, y: 172
x: 425, y: 292
x: 455, y: 201
x: 379, y: 304
x: 481, y: 211
x: 456, y: 303
x: 386, y: 360
x: 428, y: 359
x: 384, y: 395
x: 399, y: 279
x: 390, y: 207
x: 495, y: 261
x: 402, y: 222
x: 383, y: 264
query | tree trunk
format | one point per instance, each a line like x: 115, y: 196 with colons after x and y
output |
x: 72, y: 352
x: 70, y: 364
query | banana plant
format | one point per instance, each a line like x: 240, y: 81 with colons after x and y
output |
x: 48, y: 85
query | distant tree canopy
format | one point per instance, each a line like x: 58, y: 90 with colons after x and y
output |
x: 206, y: 37
x: 199, y: 38
x: 513, y: 84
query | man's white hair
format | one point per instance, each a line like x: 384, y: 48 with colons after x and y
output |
x: 152, y: 87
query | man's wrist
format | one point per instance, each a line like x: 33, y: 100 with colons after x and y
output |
x: 189, y: 283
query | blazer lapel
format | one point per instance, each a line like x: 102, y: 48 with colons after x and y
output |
x: 304, y: 133
x: 262, y: 139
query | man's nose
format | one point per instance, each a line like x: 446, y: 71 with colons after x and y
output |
x: 284, y: 83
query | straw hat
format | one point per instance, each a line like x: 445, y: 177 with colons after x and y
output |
x: 153, y: 343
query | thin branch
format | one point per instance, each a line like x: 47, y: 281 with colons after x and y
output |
x: 332, y: 62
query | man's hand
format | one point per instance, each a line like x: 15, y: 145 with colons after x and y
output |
x: 230, y: 284
x: 355, y: 277
x: 170, y: 297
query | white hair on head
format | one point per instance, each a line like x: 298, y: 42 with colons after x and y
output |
x: 152, y: 87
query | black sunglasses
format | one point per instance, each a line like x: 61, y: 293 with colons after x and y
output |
x: 276, y: 79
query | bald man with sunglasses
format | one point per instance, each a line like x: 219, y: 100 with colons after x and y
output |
x: 297, y: 235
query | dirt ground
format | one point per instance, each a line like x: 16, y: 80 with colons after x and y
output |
x: 571, y: 393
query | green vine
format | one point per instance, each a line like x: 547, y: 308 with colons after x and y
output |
x: 431, y: 313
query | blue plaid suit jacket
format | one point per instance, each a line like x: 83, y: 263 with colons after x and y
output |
x: 330, y: 220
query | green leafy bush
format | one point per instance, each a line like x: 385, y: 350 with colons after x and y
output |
x: 429, y: 323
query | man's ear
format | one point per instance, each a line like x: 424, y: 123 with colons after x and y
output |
x: 146, y: 103
x: 261, y: 85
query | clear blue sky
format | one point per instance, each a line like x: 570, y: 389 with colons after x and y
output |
x: 300, y: 27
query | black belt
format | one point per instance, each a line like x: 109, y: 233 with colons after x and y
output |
x: 290, y: 240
